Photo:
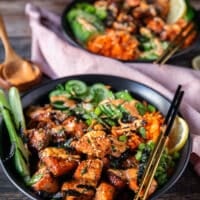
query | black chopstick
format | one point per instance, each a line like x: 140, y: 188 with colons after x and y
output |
x: 174, y: 113
x: 172, y: 104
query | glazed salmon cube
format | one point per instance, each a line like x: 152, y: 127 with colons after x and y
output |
x: 94, y: 144
x: 76, y: 190
x: 58, y: 161
x: 44, y: 181
x: 117, y: 178
x: 38, y: 138
x: 105, y: 191
x: 89, y: 171
x: 74, y: 127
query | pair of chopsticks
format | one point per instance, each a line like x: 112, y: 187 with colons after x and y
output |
x: 176, y: 44
x: 156, y: 154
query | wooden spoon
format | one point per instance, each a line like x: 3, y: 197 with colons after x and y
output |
x: 15, y: 70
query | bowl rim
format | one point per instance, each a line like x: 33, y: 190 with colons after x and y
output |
x: 173, y: 179
x: 72, y: 40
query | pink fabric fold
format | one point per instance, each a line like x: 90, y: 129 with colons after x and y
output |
x: 58, y: 58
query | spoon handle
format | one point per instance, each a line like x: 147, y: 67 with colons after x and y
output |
x: 9, y: 52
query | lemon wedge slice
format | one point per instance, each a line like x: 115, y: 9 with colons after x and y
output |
x: 178, y: 9
x: 196, y: 62
x: 178, y: 136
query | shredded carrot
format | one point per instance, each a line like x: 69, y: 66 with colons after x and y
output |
x: 154, y: 125
x: 115, y: 44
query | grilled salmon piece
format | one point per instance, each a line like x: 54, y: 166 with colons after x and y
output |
x: 132, y: 175
x: 38, y: 138
x: 58, y: 161
x: 120, y: 178
x: 46, y: 113
x: 45, y: 181
x: 39, y: 113
x: 89, y: 171
x: 94, y: 143
x: 74, y: 127
x: 117, y: 147
x: 77, y: 190
x: 117, y: 178
x: 105, y: 191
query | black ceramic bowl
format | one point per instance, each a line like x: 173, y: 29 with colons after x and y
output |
x: 72, y: 40
x: 39, y: 95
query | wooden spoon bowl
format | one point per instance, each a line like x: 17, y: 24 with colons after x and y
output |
x: 15, y: 71
x: 20, y: 73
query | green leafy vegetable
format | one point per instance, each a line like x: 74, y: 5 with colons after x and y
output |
x: 125, y: 95
x: 110, y: 111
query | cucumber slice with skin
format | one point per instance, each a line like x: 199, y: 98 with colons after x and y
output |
x: 76, y: 88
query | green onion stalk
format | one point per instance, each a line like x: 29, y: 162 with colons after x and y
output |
x: 12, y: 114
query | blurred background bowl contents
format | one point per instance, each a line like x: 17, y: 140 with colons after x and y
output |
x: 127, y: 30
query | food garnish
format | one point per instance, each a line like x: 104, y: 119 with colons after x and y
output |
x: 178, y: 135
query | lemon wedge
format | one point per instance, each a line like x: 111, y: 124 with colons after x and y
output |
x: 178, y: 9
x: 196, y: 62
x: 178, y: 136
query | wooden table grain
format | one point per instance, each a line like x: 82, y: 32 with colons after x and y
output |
x: 187, y: 187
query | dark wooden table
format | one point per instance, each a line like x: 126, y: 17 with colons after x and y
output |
x: 188, y: 186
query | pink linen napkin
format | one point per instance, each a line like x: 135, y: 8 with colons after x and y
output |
x: 58, y: 58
